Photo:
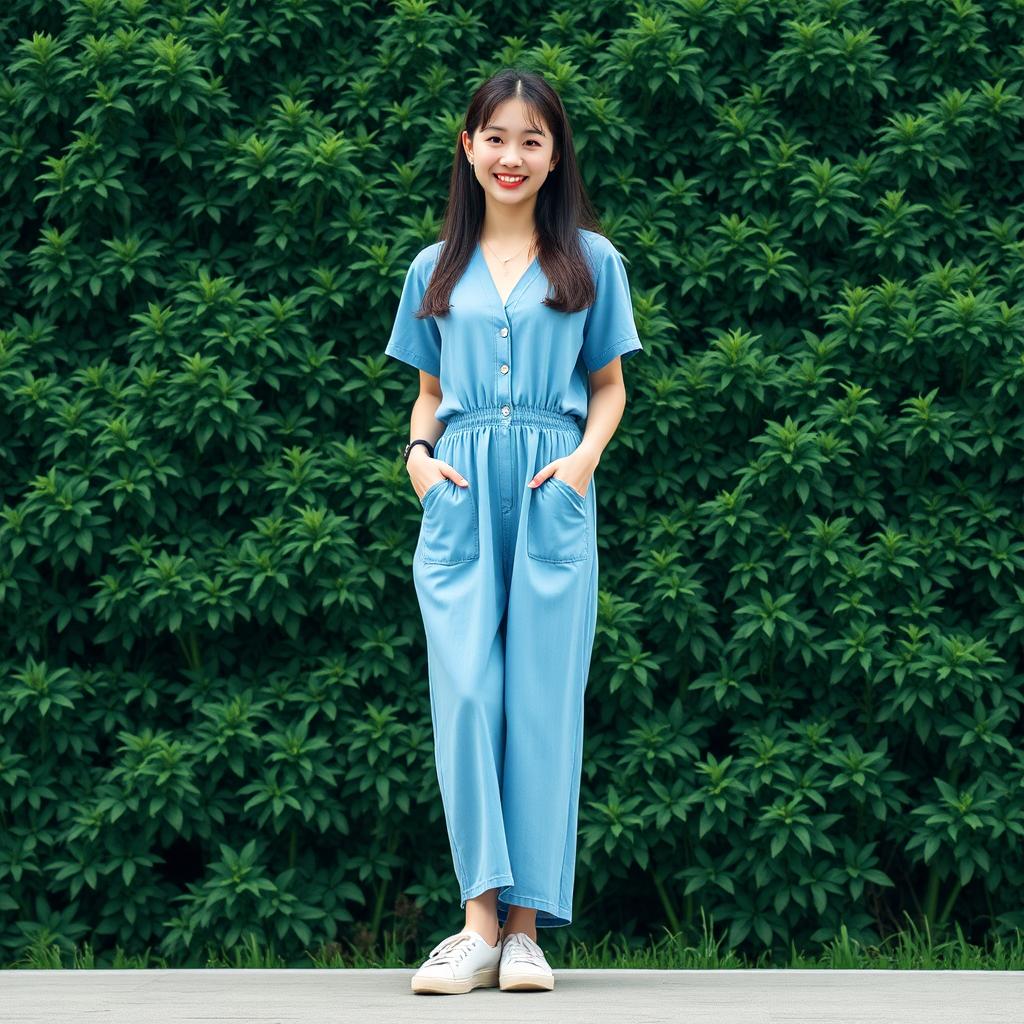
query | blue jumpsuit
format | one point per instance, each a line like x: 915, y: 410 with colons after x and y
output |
x: 506, y: 575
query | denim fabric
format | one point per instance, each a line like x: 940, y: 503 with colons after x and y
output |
x: 506, y: 577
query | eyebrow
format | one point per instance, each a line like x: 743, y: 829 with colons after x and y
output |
x: 526, y: 131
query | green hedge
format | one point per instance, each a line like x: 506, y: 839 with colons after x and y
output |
x: 804, y: 702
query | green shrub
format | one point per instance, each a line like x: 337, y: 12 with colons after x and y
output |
x: 804, y: 701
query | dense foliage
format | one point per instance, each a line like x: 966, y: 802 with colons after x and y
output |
x: 804, y: 702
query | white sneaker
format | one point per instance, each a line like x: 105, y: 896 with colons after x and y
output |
x: 461, y: 962
x: 522, y: 964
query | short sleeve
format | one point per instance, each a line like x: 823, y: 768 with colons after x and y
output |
x: 609, y: 329
x: 415, y: 341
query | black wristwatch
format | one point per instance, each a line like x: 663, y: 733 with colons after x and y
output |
x: 409, y: 447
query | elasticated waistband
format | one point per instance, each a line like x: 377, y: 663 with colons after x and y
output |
x: 519, y: 415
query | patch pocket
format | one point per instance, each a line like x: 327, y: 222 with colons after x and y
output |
x: 430, y: 490
x: 448, y: 530
x: 557, y: 529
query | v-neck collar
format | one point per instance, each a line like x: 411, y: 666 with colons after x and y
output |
x: 531, y: 266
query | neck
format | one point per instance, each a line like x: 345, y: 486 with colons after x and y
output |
x: 506, y: 227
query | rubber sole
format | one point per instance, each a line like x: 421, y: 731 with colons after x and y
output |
x: 486, y: 978
x: 511, y: 982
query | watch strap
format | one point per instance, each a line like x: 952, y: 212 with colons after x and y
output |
x: 419, y: 440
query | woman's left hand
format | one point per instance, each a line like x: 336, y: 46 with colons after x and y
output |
x: 576, y: 472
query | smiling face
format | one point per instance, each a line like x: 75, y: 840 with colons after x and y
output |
x: 510, y: 146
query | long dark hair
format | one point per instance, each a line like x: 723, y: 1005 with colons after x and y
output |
x: 562, y: 202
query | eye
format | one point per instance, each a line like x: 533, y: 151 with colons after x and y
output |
x: 498, y: 137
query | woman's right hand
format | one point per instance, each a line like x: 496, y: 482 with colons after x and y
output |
x: 425, y: 471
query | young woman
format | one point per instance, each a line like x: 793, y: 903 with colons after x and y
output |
x: 518, y: 321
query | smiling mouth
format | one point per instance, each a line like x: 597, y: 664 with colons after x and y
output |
x: 511, y: 179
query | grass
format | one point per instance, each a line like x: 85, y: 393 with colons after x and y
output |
x: 904, y: 951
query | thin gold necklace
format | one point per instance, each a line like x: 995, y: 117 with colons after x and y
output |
x: 505, y: 260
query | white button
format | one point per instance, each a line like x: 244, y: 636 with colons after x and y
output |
x: 504, y: 367
x: 505, y: 410
x: 504, y: 332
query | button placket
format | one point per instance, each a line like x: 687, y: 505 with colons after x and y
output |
x: 504, y: 396
x: 504, y: 384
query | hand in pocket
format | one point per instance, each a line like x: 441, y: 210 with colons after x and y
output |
x: 425, y: 472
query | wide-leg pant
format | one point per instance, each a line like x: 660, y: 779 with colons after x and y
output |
x: 506, y: 578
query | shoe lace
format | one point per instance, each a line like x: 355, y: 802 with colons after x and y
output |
x: 519, y: 947
x: 451, y: 950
